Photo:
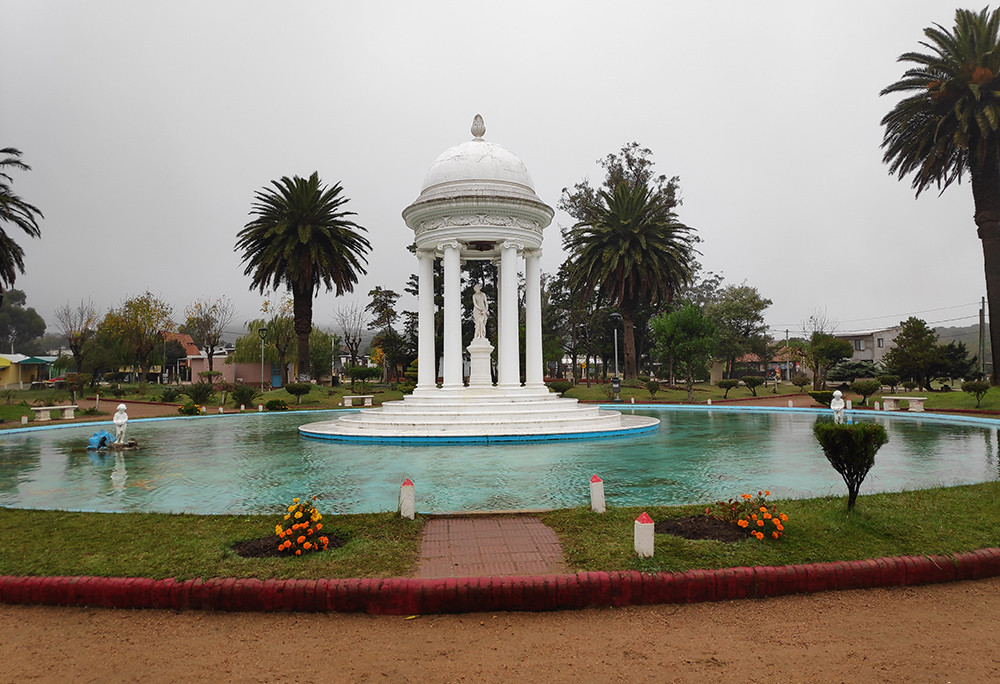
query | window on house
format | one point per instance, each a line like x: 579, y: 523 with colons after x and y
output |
x: 859, y: 345
x: 881, y: 343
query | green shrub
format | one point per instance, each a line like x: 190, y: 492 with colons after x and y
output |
x: 299, y: 389
x: 117, y: 392
x: 910, y: 385
x: 200, y: 392
x: 850, y: 449
x: 244, y: 395
x: 169, y: 395
x: 889, y: 380
x: 800, y: 380
x: 727, y: 385
x: 865, y: 388
x: 560, y: 386
x: 977, y: 388
x: 822, y: 397
x: 411, y: 372
x: 364, y: 374
x: 189, y: 409
x: 276, y: 405
x: 653, y: 386
x: 753, y: 382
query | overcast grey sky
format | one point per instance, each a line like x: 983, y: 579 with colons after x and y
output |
x: 149, y: 127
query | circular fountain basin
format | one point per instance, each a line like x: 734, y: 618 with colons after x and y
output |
x: 256, y: 463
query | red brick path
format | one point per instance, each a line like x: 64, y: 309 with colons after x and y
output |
x: 489, y: 546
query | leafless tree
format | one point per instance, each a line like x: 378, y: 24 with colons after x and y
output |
x: 78, y: 324
x: 818, y: 322
x: 353, y: 321
x: 206, y: 322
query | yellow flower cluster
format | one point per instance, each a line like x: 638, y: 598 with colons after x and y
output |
x: 752, y: 514
x: 300, y: 530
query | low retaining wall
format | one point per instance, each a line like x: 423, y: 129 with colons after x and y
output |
x: 408, y: 596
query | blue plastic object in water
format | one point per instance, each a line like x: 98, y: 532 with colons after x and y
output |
x: 102, y: 439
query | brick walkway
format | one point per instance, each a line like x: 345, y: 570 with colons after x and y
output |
x: 484, y: 547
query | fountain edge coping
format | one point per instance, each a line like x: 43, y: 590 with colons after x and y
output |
x: 416, y: 596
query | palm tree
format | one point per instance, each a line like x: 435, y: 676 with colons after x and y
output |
x: 16, y: 211
x: 949, y: 126
x: 301, y: 238
x: 630, y: 248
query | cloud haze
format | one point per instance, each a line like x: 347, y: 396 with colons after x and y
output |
x: 149, y: 126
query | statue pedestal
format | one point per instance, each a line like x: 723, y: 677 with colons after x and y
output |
x: 479, y: 363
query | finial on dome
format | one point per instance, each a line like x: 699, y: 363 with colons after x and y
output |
x: 478, y: 127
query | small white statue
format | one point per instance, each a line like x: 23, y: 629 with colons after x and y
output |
x: 120, y: 419
x: 480, y: 310
x: 837, y: 404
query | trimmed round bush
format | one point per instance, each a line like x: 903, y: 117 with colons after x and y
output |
x: 560, y: 386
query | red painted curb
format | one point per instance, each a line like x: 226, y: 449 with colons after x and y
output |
x: 410, y: 596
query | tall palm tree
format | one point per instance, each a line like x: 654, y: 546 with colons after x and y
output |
x: 301, y: 238
x: 630, y: 249
x: 949, y: 126
x: 15, y: 211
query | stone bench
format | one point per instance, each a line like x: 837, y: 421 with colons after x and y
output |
x: 892, y: 403
x: 349, y: 399
x: 42, y: 412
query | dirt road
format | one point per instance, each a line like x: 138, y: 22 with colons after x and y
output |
x: 946, y: 632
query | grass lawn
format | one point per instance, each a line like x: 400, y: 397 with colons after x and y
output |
x: 184, y: 546
x: 702, y: 392
x: 936, y: 521
x: 932, y: 521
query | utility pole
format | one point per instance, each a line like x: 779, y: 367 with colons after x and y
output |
x: 982, y: 338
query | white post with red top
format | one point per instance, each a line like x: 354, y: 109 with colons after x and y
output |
x: 406, y: 500
x: 596, y: 494
x: 644, y: 536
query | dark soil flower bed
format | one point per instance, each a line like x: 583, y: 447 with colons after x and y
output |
x: 267, y: 547
x: 701, y: 527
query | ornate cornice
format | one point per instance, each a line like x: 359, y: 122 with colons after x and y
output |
x: 462, y: 220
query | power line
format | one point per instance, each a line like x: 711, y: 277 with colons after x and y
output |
x: 798, y: 326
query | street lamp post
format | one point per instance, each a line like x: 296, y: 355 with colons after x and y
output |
x: 616, y: 318
x: 263, y: 333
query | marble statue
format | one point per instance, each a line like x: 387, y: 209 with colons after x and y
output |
x: 120, y: 419
x: 480, y: 311
x: 837, y: 404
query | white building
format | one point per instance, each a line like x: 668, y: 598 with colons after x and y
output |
x: 871, y: 345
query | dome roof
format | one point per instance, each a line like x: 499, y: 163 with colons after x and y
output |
x: 480, y: 164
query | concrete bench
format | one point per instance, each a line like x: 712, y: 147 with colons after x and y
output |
x: 349, y: 399
x: 892, y: 403
x: 42, y: 412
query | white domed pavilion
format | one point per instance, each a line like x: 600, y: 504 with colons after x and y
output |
x: 478, y: 202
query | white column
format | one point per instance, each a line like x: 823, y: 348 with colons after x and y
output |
x: 452, y: 316
x: 534, y: 375
x: 509, y: 374
x: 499, y: 309
x: 426, y: 358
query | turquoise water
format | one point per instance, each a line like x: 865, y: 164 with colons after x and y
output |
x: 256, y: 463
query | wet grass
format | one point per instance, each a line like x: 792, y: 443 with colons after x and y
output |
x: 157, y: 545
x: 931, y: 521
